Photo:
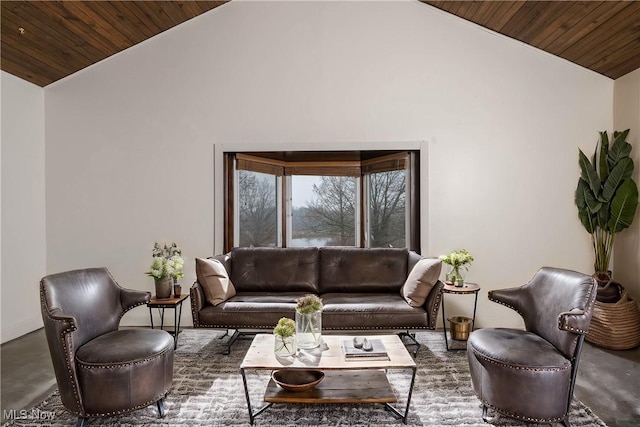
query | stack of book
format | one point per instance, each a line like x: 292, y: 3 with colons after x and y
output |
x: 376, y: 350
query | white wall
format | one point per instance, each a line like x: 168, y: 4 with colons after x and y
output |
x: 626, y: 115
x: 23, y: 206
x: 130, y: 141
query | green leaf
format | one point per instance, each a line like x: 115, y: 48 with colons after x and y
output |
x: 623, y: 206
x: 622, y: 171
x: 589, y: 173
x: 586, y: 221
x: 585, y: 201
x: 602, y: 218
x: 619, y: 149
x: 585, y: 198
x: 603, y: 150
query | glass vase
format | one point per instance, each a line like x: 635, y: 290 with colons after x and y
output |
x: 284, y: 346
x: 309, y: 329
x: 456, y: 276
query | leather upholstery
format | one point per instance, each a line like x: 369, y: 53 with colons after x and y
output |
x: 360, y: 289
x: 564, y: 293
x: 530, y: 374
x: 275, y: 269
x: 362, y: 270
x: 369, y: 311
x: 99, y: 369
x: 250, y: 310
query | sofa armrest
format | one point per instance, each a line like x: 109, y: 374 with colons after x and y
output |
x: 197, y: 302
x: 432, y: 304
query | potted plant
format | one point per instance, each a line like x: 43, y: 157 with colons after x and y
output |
x: 308, y: 321
x: 457, y: 260
x: 284, y: 339
x: 607, y: 199
x: 166, y: 268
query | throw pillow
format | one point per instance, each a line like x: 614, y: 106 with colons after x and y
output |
x: 214, y: 280
x: 421, y: 279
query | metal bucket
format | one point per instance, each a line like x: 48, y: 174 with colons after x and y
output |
x: 460, y: 327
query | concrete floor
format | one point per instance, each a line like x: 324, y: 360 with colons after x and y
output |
x: 608, y: 381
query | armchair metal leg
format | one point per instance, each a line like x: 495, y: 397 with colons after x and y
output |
x: 484, y: 413
x: 161, y: 409
x: 80, y: 422
x: 566, y: 422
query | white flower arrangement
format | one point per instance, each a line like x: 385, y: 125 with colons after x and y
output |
x: 167, y: 262
x: 457, y: 259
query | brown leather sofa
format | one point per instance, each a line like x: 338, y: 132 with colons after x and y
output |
x: 360, y: 289
x: 530, y: 374
x: 100, y: 370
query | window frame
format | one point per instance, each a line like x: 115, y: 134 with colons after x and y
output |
x: 412, y: 192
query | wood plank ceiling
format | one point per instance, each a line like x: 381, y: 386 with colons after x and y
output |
x: 59, y: 38
x: 603, y: 36
x: 44, y: 41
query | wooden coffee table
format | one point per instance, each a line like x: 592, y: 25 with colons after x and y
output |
x: 361, y: 381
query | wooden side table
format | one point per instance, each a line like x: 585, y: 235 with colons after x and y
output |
x: 172, y: 302
x: 467, y: 289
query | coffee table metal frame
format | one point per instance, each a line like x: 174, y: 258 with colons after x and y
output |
x: 329, y: 359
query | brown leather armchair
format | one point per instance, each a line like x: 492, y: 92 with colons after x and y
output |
x: 102, y: 371
x: 530, y: 375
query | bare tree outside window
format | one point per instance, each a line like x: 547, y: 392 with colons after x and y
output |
x: 332, y: 212
x: 257, y: 208
x: 387, y: 214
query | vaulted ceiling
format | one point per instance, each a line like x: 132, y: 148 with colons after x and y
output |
x: 44, y: 41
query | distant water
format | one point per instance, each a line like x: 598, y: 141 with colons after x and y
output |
x: 317, y: 242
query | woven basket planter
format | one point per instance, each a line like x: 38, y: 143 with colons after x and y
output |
x: 615, y: 325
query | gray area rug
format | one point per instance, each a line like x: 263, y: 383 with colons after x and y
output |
x: 208, y: 391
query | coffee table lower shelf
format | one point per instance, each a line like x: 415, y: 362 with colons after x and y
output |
x: 364, y: 386
x: 342, y: 386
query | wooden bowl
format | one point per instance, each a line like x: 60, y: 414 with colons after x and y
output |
x: 297, y: 379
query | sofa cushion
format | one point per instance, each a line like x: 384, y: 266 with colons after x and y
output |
x: 422, y: 278
x: 368, y: 311
x: 260, y: 310
x: 275, y: 269
x: 214, y: 280
x: 377, y: 270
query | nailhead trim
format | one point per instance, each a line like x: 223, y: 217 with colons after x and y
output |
x: 194, y: 310
x: 197, y: 324
x: 516, y: 367
x: 506, y: 305
x: 565, y: 328
x: 436, y: 306
x: 577, y: 330
x: 67, y: 339
x: 85, y: 365
x: 135, y: 408
x: 570, y: 329
x: 520, y: 417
